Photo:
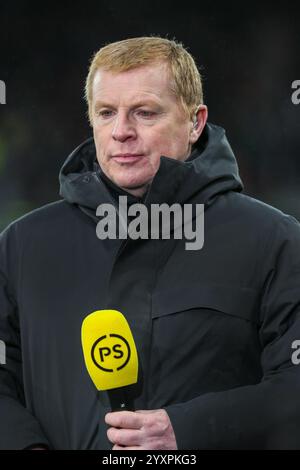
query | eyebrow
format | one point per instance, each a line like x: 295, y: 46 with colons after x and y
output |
x: 147, y: 101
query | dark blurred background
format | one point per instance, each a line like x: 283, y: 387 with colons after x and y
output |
x: 248, y: 54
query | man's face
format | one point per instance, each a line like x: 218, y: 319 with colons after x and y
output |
x: 136, y: 120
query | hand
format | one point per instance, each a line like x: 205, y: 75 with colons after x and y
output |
x: 140, y: 430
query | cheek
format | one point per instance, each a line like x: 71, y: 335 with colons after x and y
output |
x: 101, y: 139
x: 172, y: 143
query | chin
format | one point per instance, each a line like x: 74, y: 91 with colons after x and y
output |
x: 132, y: 182
x: 131, y: 185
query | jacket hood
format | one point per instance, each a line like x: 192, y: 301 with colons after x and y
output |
x: 210, y: 170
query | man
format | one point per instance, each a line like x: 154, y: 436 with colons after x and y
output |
x: 214, y: 327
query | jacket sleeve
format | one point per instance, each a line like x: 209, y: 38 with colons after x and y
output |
x: 18, y: 428
x: 264, y: 415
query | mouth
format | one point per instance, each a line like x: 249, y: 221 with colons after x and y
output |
x: 126, y: 158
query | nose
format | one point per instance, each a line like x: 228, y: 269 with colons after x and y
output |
x: 123, y: 129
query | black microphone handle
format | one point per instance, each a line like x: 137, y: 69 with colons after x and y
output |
x: 119, y: 400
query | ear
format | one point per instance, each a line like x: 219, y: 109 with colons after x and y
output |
x: 199, y: 123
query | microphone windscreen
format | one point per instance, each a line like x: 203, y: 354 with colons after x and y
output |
x: 109, y: 350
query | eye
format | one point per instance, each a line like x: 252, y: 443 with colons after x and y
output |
x: 105, y: 113
x: 146, y: 114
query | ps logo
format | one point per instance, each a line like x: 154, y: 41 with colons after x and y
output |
x: 111, y: 350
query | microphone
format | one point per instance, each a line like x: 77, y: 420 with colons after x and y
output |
x: 110, y: 355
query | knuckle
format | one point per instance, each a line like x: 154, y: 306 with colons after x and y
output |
x: 117, y: 437
x: 112, y: 434
x: 162, y: 427
x: 163, y: 424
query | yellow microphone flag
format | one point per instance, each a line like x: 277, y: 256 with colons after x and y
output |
x: 109, y: 350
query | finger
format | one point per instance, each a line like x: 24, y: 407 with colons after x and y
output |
x: 124, y: 419
x: 116, y: 447
x: 124, y: 437
x: 146, y: 411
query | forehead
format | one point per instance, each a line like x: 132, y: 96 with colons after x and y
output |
x: 148, y: 81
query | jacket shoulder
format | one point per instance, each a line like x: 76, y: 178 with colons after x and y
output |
x: 32, y: 232
x: 43, y: 216
x: 272, y: 231
x: 259, y: 212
